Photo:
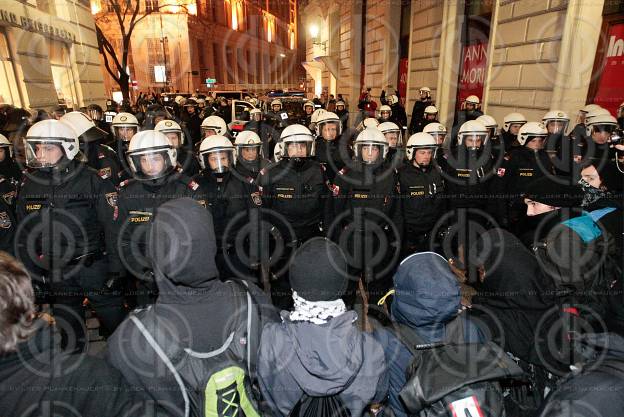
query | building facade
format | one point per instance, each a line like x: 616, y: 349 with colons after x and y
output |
x: 516, y: 55
x: 48, y: 54
x: 208, y: 45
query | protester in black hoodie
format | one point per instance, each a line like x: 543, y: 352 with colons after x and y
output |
x: 194, y: 309
x: 36, y: 376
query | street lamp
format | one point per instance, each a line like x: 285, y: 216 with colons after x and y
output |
x: 314, y: 35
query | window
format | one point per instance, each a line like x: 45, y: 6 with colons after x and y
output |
x: 269, y: 27
x: 158, y: 60
x: 258, y: 69
x: 151, y: 6
x: 62, y: 73
x: 9, y: 93
x: 229, y: 59
x: 46, y: 6
x: 217, y: 59
x: 235, y: 11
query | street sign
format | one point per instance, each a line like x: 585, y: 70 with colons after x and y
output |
x: 211, y: 80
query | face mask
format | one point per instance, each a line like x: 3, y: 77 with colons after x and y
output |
x: 590, y: 194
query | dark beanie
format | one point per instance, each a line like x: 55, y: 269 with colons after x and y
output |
x: 555, y: 191
x: 318, y: 270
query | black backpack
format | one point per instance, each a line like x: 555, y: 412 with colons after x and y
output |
x: 455, y: 379
x: 217, y: 383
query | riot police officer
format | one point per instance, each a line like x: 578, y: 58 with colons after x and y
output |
x: 430, y: 115
x: 124, y: 126
x: 295, y: 188
x: 385, y: 112
x: 214, y: 125
x: 512, y: 123
x: 421, y: 187
x: 267, y: 135
x: 419, y: 107
x: 331, y: 151
x: 97, y: 155
x: 394, y: 136
x: 229, y: 199
x: 343, y: 114
x: 249, y: 157
x: 191, y: 120
x: 469, y: 111
x: 367, y: 222
x: 185, y: 157
x: 439, y: 133
x: 399, y: 117
x: 67, y: 235
x: 524, y: 164
x: 95, y: 112
x: 308, y: 109
x: 152, y: 160
x: 10, y: 175
x: 599, y: 148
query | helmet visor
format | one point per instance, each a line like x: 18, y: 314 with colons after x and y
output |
x: 43, y: 153
x: 150, y: 165
x: 125, y: 133
x: 370, y: 153
x: 474, y: 140
x: 218, y: 161
x: 301, y: 149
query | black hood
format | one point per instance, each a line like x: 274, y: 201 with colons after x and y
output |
x: 183, y: 248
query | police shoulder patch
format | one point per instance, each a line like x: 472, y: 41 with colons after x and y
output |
x: 343, y: 171
x: 105, y: 173
x: 5, y: 220
x: 111, y: 199
x: 124, y: 183
x: 193, y: 185
x: 256, y: 198
x: 500, y: 172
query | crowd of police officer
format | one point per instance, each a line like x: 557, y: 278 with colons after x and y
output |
x: 79, y: 197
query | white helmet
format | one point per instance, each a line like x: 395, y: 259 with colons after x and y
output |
x: 513, y: 119
x: 149, y: 143
x: 596, y: 112
x: 201, y: 102
x: 327, y: 117
x: 487, y: 121
x: 389, y: 127
x: 50, y: 132
x: 419, y: 140
x: 248, y: 139
x: 472, y: 128
x: 170, y: 127
x: 297, y: 134
x: 437, y: 130
x: 217, y: 143
x: 253, y: 112
x: 601, y: 122
x: 214, y: 124
x: 84, y: 127
x: 340, y: 103
x: 556, y: 116
x: 124, y: 120
x: 6, y: 144
x: 472, y: 100
x: 490, y: 124
x: 371, y: 136
x: 589, y: 107
x: 315, y: 116
x: 179, y: 100
x: 276, y: 102
x: 307, y: 104
x: 393, y: 99
x: 531, y: 130
x: 385, y: 109
x: 430, y: 110
x: 425, y: 90
x: 368, y: 122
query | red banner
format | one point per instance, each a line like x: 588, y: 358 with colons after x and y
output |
x: 472, y: 72
x: 403, y: 78
x: 610, y: 91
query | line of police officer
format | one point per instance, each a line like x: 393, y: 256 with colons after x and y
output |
x: 83, y: 211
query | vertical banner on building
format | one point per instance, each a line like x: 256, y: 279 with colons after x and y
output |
x: 610, y: 92
x: 403, y: 78
x: 472, y: 72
